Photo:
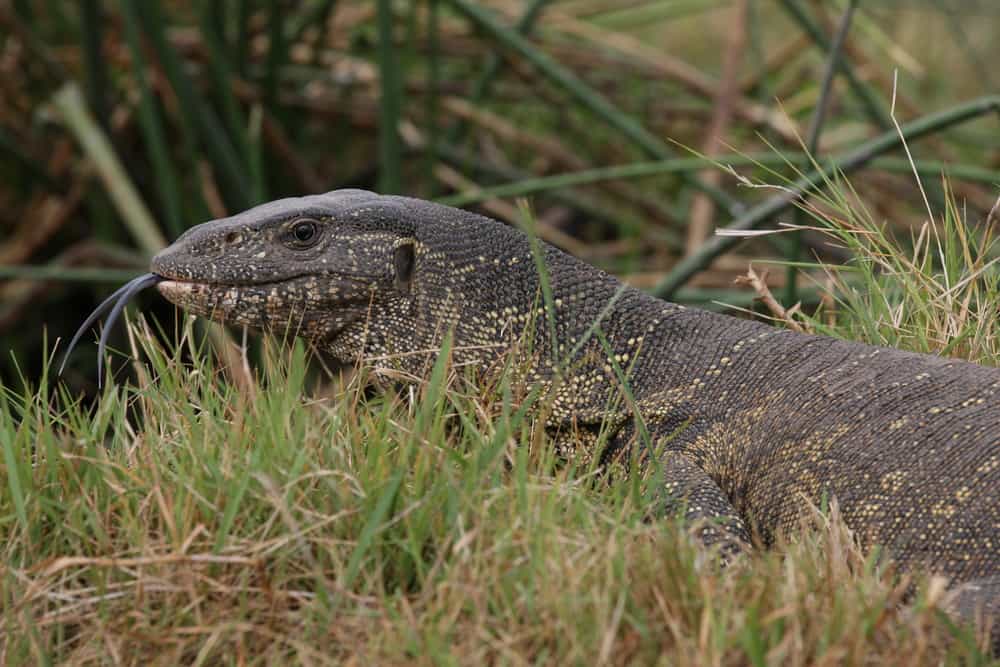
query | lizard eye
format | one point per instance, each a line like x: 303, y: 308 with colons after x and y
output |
x: 303, y: 233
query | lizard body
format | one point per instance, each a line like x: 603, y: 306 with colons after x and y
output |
x: 754, y: 423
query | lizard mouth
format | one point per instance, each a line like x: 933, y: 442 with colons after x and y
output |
x: 171, y: 286
x: 190, y: 294
x: 173, y: 290
x: 186, y: 293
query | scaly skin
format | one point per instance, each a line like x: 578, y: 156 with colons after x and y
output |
x: 754, y: 423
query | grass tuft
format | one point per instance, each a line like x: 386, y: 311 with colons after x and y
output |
x: 182, y: 521
x: 935, y: 292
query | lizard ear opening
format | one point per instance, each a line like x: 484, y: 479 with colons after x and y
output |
x: 403, y: 260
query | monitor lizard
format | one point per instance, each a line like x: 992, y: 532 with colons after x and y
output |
x: 751, y: 424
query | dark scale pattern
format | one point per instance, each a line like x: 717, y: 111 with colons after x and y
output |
x: 756, y: 423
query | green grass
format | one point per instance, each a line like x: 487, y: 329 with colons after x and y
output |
x: 936, y: 292
x: 939, y: 295
x: 184, y: 520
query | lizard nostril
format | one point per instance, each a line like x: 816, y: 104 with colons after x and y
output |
x: 232, y: 237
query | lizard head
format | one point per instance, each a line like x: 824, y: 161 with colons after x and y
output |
x: 315, y: 266
x: 378, y: 277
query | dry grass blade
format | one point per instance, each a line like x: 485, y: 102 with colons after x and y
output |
x: 133, y: 210
x: 702, y: 208
x: 758, y: 283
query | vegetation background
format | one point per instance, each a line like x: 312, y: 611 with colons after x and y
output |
x: 218, y: 516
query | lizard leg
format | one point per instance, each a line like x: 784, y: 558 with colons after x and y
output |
x: 683, y: 487
x: 576, y: 444
x: 687, y: 490
x: 979, y: 600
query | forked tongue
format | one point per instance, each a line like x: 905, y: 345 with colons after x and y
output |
x: 117, y: 303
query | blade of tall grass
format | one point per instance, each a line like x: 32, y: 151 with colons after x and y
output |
x: 432, y: 100
x: 376, y: 520
x: 869, y: 99
x: 316, y: 14
x: 70, y: 274
x: 91, y: 37
x: 587, y: 97
x: 217, y: 18
x: 816, y: 179
x: 619, y: 218
x: 255, y: 145
x: 222, y: 76
x: 153, y: 131
x: 813, y: 134
x: 484, y: 82
x: 73, y: 110
x: 14, y: 457
x: 277, y: 57
x: 244, y: 9
x: 390, y: 103
x: 533, y: 185
x: 874, y: 108
x: 198, y: 118
x: 529, y: 225
x: 656, y: 11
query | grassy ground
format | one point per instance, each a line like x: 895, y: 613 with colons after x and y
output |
x: 185, y: 520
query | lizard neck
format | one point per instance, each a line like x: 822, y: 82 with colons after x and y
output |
x: 479, y: 281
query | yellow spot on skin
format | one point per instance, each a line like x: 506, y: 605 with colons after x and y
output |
x: 991, y: 464
x: 942, y: 509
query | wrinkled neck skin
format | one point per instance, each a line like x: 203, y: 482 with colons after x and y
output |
x: 406, y: 332
x: 483, y: 287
